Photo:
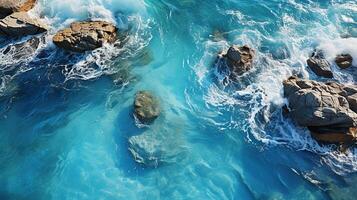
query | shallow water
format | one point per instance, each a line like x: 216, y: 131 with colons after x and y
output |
x: 66, y: 119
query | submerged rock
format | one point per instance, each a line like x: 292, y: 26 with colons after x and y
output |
x: 21, y: 24
x: 146, y: 107
x: 322, y: 106
x: 24, y: 49
x: 344, y: 61
x: 85, y: 36
x: 156, y: 148
x: 319, y: 65
x: 7, y: 7
x: 239, y: 59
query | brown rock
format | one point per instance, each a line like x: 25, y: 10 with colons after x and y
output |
x: 7, y: 7
x: 319, y: 65
x: 239, y: 59
x: 344, y: 61
x: 84, y: 36
x: 21, y: 24
x: 333, y: 135
x: 146, y: 107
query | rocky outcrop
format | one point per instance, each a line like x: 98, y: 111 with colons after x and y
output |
x: 344, y: 61
x: 21, y: 24
x: 326, y: 108
x: 146, y: 107
x: 25, y: 49
x: 7, y: 7
x: 319, y: 65
x: 85, y: 36
x: 334, y: 135
x: 239, y: 59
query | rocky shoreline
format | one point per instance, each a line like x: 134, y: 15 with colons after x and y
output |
x: 327, y: 109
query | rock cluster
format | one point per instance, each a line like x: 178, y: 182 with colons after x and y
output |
x: 327, y: 109
x: 239, y: 59
x: 146, y: 107
x: 84, y: 36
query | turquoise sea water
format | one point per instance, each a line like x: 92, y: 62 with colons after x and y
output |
x: 66, y: 119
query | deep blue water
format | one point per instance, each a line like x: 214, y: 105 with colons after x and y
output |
x: 66, y: 119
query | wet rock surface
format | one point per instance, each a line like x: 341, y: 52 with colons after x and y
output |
x: 21, y: 24
x: 319, y: 65
x: 146, y: 107
x: 85, y: 36
x: 334, y: 135
x: 7, y: 7
x: 155, y: 148
x: 24, y: 49
x: 239, y: 59
x: 344, y: 61
x: 326, y: 108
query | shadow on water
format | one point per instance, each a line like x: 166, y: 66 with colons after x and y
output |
x: 125, y: 128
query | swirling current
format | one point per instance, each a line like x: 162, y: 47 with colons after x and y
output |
x: 66, y: 118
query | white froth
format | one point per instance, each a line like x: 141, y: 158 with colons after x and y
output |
x: 266, y: 88
x: 332, y: 48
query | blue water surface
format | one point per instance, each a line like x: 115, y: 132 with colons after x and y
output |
x: 66, y: 119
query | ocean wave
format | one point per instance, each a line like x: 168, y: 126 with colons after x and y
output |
x: 260, y: 90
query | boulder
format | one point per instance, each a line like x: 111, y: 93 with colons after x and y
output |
x: 319, y: 65
x: 320, y: 104
x: 21, y: 24
x: 326, y: 108
x: 85, y: 36
x: 7, y: 7
x: 344, y: 61
x: 146, y: 107
x: 239, y: 59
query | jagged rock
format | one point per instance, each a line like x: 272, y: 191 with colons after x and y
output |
x: 319, y: 65
x: 154, y: 148
x: 320, y: 104
x: 239, y: 59
x: 7, y: 7
x: 146, y: 107
x: 326, y: 108
x: 344, y: 61
x: 21, y: 24
x: 24, y: 49
x: 84, y: 36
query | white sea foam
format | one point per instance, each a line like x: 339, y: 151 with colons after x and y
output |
x: 58, y: 11
x: 265, y: 83
x: 138, y: 39
x: 338, y: 46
